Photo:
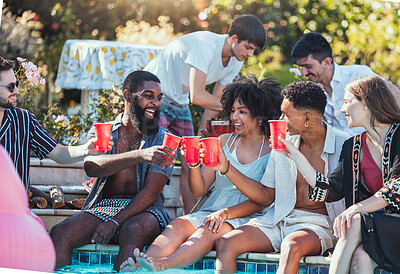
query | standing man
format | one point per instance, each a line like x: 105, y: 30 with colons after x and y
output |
x: 314, y: 54
x: 125, y: 203
x: 20, y: 132
x: 191, y: 62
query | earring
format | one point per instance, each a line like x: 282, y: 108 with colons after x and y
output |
x: 260, y: 123
x: 306, y: 124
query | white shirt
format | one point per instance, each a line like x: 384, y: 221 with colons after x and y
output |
x: 281, y: 174
x: 342, y: 75
x: 202, y: 50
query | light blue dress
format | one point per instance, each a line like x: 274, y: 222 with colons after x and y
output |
x: 225, y: 193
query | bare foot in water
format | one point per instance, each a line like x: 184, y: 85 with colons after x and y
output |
x: 148, y: 262
x: 128, y: 266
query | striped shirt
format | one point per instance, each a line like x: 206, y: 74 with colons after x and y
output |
x: 20, y: 133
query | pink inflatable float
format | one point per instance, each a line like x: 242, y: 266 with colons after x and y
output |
x: 24, y: 242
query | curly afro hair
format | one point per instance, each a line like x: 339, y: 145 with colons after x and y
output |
x: 262, y: 98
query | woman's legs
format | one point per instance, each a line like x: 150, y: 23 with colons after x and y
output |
x: 243, y: 239
x: 193, y: 249
x: 362, y: 262
x: 176, y: 233
x: 345, y: 247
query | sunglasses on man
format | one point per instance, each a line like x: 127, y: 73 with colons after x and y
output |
x: 11, y: 86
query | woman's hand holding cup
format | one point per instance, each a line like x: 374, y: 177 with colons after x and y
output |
x: 222, y: 163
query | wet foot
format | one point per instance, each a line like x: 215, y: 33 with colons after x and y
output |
x: 128, y: 266
x: 148, y: 262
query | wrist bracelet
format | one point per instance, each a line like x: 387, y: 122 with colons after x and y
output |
x: 227, y: 169
x: 114, y: 222
x: 195, y: 166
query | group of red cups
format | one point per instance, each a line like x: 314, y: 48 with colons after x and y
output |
x: 210, y: 145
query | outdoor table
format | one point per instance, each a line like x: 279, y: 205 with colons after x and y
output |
x: 91, y: 65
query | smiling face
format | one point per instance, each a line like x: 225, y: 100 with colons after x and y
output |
x: 313, y: 69
x: 354, y: 110
x: 242, y: 119
x: 8, y: 99
x: 296, y: 117
x: 145, y: 106
x: 242, y: 50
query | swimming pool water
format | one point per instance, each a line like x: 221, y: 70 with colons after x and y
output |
x: 85, y: 269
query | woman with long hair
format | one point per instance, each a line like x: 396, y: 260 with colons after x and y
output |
x: 249, y: 104
x: 367, y: 176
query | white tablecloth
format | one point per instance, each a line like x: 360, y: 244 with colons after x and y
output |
x: 94, y: 65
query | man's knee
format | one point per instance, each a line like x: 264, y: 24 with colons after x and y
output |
x: 59, y: 231
x: 143, y: 229
x: 130, y: 227
x: 290, y: 247
x: 224, y: 245
x: 61, y: 236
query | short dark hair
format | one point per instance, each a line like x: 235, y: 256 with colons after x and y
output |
x: 5, y: 65
x: 262, y: 98
x: 137, y: 78
x: 312, y: 43
x: 249, y: 28
x: 305, y: 95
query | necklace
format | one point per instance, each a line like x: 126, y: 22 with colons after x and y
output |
x: 131, y: 146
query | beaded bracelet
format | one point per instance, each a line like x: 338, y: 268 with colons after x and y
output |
x: 195, y: 166
x: 227, y: 169
x: 114, y: 222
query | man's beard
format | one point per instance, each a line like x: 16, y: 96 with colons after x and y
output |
x: 143, y: 124
x: 5, y: 104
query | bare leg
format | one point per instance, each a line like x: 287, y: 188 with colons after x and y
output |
x: 362, y: 262
x: 174, y: 235
x: 294, y: 247
x: 138, y: 231
x: 247, y: 238
x: 198, y: 245
x: 187, y: 199
x: 346, y: 246
x: 73, y: 232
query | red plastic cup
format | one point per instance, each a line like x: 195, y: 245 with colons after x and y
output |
x: 278, y: 128
x: 172, y: 142
x: 103, y: 134
x: 211, y: 150
x: 192, y: 149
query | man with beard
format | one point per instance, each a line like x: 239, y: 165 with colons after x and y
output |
x: 20, y: 132
x: 125, y: 204
x: 188, y: 64
x: 314, y: 54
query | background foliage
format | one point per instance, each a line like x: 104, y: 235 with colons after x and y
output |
x: 360, y: 31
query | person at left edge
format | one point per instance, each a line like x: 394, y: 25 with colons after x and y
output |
x: 20, y: 132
